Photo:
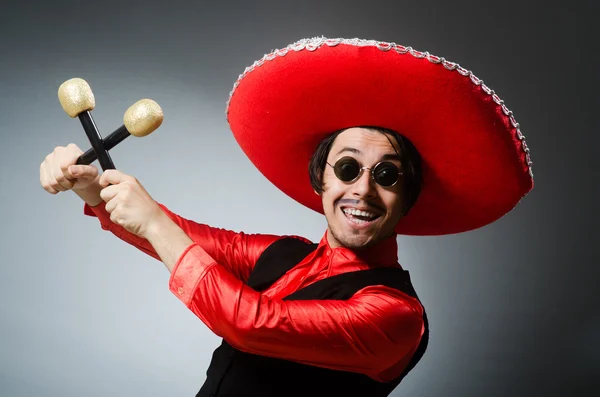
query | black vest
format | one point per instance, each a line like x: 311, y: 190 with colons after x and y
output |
x: 233, y: 373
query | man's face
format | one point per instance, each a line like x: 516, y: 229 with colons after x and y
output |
x: 382, y: 204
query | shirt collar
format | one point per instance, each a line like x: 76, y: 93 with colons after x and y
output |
x: 384, y: 253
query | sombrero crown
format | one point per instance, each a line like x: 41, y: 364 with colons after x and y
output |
x: 476, y: 164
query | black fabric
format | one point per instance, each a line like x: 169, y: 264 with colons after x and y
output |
x: 276, y: 260
x: 233, y: 373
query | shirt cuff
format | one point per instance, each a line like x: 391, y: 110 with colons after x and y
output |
x: 190, y: 268
x: 99, y: 211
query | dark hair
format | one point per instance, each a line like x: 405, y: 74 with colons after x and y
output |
x: 409, y: 158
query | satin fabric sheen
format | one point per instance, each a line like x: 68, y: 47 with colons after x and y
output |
x: 374, y: 333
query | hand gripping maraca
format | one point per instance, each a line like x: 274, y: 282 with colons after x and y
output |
x: 77, y: 100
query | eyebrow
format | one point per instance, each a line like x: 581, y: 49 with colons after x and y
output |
x: 391, y: 156
x: 388, y: 156
x: 348, y: 149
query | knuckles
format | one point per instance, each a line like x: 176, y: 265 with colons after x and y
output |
x: 122, y: 192
x: 52, y: 181
x: 60, y: 151
x: 112, y: 176
x: 125, y: 192
x: 47, y: 187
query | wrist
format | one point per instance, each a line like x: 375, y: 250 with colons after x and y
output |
x: 159, y: 224
x: 90, y: 194
x: 167, y: 238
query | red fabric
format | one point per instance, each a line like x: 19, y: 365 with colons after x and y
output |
x: 474, y: 168
x: 375, y: 332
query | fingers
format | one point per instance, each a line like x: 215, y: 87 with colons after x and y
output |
x: 114, y: 177
x: 115, y: 183
x: 55, y: 173
x: 124, y: 188
x: 108, y: 193
x: 115, y: 218
x: 59, y: 168
x: 115, y: 196
x: 72, y: 171
x: 46, y: 178
x: 83, y: 171
x: 50, y: 182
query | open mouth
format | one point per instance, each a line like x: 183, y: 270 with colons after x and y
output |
x: 360, y: 217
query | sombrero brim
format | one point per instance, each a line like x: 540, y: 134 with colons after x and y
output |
x: 476, y: 164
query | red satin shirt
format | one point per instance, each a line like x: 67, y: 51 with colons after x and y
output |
x: 375, y: 332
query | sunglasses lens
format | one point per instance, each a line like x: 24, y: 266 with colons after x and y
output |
x: 346, y: 169
x: 386, y: 174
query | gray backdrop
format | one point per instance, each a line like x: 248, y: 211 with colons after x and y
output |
x: 513, y: 306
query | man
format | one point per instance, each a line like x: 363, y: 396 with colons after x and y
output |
x: 379, y: 138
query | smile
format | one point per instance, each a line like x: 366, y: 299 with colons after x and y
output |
x: 359, y: 217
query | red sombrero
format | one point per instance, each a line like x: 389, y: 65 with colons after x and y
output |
x: 476, y: 164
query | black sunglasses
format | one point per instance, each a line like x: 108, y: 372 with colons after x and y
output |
x: 385, y: 173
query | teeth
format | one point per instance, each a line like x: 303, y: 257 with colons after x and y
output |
x: 359, y: 221
x: 351, y: 211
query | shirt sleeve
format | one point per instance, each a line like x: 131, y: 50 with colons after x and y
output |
x: 236, y: 251
x: 369, y: 333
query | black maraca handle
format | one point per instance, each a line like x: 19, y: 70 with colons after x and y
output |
x: 108, y: 143
x: 96, y: 141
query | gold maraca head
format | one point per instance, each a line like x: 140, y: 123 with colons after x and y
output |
x: 143, y: 117
x: 76, y: 96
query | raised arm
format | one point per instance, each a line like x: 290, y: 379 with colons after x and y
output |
x: 237, y: 251
x: 59, y: 172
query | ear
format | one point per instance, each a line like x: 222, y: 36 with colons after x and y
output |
x: 320, y: 179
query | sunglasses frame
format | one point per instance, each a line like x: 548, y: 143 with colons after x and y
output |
x: 362, y: 170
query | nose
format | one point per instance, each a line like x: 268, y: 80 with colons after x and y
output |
x: 364, y: 186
